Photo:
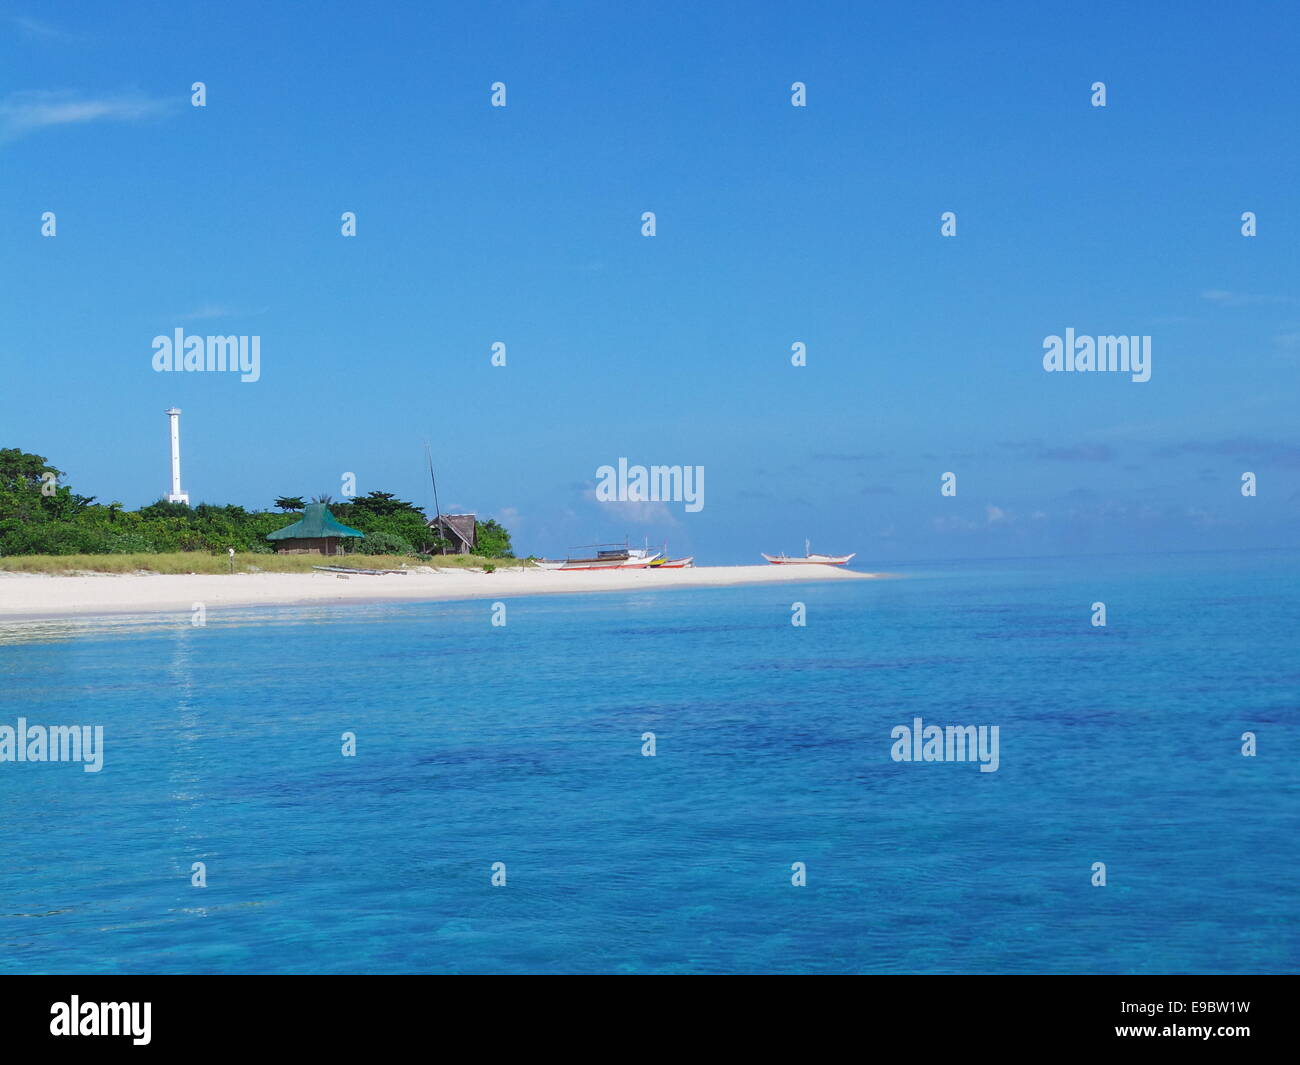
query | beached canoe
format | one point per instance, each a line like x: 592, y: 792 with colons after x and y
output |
x: 810, y: 560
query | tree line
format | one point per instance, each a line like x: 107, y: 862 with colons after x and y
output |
x: 41, y: 515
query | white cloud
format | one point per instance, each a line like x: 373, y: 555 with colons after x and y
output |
x: 635, y: 513
x: 29, y: 111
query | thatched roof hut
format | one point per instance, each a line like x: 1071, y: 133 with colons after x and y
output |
x: 460, y: 530
x: 317, y: 532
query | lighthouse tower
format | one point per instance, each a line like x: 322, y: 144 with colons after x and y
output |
x: 176, y: 495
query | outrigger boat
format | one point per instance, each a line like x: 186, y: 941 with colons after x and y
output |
x: 809, y: 558
x: 607, y: 556
x: 664, y: 562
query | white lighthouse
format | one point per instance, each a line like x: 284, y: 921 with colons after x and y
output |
x: 176, y: 495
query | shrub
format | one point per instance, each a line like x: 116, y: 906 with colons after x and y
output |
x: 384, y: 543
x: 129, y: 544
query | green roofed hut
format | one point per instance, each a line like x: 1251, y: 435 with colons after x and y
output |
x: 317, y: 532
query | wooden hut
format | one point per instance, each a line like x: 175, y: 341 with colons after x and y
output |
x: 317, y: 532
x: 459, y: 530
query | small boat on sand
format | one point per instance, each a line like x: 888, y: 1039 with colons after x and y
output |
x: 348, y: 570
x: 809, y: 558
x: 606, y: 556
x: 664, y: 562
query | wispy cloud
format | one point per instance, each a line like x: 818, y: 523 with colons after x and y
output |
x: 1244, y: 449
x: 642, y: 513
x: 634, y: 512
x: 995, y: 517
x: 1079, y: 453
x: 1223, y: 298
x: 824, y: 456
x: 205, y: 312
x: 35, y: 28
x: 33, y: 110
x: 1069, y: 453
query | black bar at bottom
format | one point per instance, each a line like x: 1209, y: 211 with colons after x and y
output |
x: 1243, y: 1015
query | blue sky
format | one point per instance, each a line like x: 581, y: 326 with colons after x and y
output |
x: 775, y: 224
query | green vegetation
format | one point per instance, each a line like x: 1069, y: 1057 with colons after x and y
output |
x: 40, y: 516
x: 493, y: 540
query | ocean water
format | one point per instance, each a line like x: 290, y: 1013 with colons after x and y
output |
x: 522, y: 744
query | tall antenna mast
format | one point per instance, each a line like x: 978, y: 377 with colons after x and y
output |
x: 428, y: 457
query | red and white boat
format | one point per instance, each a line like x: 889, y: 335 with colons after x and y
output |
x: 809, y: 558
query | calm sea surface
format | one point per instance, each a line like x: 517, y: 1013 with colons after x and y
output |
x: 522, y: 744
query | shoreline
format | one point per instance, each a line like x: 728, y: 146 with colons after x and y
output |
x: 42, y: 597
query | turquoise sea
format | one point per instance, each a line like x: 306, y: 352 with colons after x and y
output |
x: 523, y: 745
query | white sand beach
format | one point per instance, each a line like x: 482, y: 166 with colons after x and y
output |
x: 89, y: 595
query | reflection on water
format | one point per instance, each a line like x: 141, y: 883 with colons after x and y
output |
x: 184, y: 772
x: 51, y: 630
